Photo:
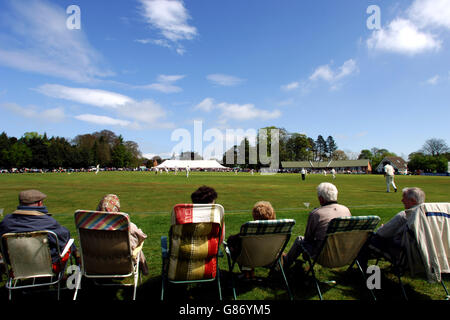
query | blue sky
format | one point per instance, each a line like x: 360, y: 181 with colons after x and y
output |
x: 147, y: 68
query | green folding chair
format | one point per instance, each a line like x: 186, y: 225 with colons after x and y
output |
x: 344, y: 239
x: 262, y: 245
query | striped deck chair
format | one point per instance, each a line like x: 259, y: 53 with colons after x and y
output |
x: 344, y: 239
x: 29, y: 262
x: 194, y: 239
x: 427, y: 243
x: 262, y: 244
x: 105, y: 247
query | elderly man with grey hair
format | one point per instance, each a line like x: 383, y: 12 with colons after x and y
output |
x: 317, y: 224
x: 388, y: 238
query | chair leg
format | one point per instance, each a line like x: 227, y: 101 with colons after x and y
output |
x: 77, y: 285
x: 163, y: 285
x: 136, y: 277
x: 402, y: 287
x: 446, y: 291
x: 233, y: 284
x: 218, y: 284
x: 285, y: 279
x: 313, y: 274
x: 365, y: 279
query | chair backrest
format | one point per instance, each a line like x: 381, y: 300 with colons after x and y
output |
x: 262, y: 241
x: 194, y: 241
x: 430, y: 226
x: 345, y: 238
x: 28, y: 254
x: 104, y: 241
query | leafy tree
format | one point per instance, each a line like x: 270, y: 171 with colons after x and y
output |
x: 331, y: 146
x: 322, y: 148
x: 427, y: 163
x: 339, y: 155
x: 297, y: 147
x: 120, y: 156
x: 365, y: 154
x: 435, y: 147
x: 18, y: 155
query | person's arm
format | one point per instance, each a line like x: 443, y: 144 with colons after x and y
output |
x: 390, y: 228
x: 311, y: 227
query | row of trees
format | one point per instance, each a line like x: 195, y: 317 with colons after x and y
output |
x: 34, y: 150
x: 432, y: 157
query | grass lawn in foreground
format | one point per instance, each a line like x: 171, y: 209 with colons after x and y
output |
x: 148, y: 198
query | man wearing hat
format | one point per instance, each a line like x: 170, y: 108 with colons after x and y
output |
x: 32, y: 215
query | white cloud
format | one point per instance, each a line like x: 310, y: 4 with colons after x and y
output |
x: 246, y: 112
x: 206, y: 105
x: 170, y: 17
x: 94, y: 97
x: 36, y: 39
x: 284, y: 103
x: 433, y: 80
x: 224, y: 80
x: 165, y: 84
x: 349, y: 67
x: 290, y: 86
x: 402, y: 36
x: 54, y: 115
x: 32, y: 112
x: 102, y: 120
x: 322, y: 73
x: 240, y: 112
x: 430, y: 13
x: 334, y: 78
x: 145, y: 113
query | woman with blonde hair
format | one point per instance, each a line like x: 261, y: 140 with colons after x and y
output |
x: 111, y: 203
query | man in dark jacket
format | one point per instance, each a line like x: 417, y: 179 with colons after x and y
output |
x: 32, y: 215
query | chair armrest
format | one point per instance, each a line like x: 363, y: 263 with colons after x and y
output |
x: 67, y: 247
x: 164, y: 250
x: 137, y: 250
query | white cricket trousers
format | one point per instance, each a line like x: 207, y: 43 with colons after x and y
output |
x: 389, y: 181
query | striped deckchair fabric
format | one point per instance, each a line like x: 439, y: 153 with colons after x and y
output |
x: 345, y: 237
x: 195, y: 237
x: 260, y: 243
x: 259, y: 227
x: 353, y: 223
x: 99, y: 220
x: 105, y: 246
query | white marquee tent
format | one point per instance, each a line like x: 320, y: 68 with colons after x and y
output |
x: 193, y: 164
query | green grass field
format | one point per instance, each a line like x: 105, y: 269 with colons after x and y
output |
x: 148, y: 198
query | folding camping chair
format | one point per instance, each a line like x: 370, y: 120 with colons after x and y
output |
x: 105, y: 247
x: 28, y: 259
x: 425, y: 244
x: 262, y: 245
x: 344, y: 239
x: 194, y: 240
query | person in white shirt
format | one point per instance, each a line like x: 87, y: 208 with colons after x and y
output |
x: 303, y: 172
x: 389, y: 175
x: 333, y: 172
x: 187, y: 171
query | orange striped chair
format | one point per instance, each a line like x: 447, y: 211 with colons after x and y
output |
x: 190, y: 252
